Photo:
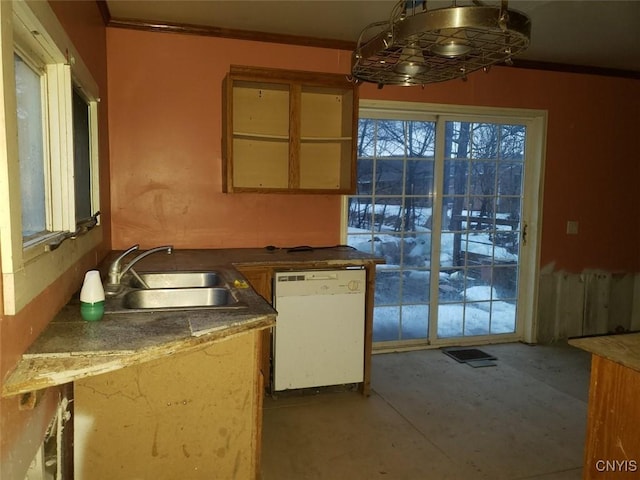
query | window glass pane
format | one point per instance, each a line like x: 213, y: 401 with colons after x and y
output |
x: 366, y: 137
x: 457, y: 139
x: 512, y: 142
x: 365, y: 176
x: 388, y: 283
x: 415, y: 321
x: 81, y: 157
x: 30, y: 148
x: 419, y: 177
x: 389, y: 176
x: 485, y: 141
x: 420, y: 139
x: 483, y: 178
x: 390, y: 141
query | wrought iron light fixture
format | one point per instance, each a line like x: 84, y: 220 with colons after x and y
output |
x: 417, y: 46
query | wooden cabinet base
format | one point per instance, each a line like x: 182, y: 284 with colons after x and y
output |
x: 613, y: 438
x: 194, y: 415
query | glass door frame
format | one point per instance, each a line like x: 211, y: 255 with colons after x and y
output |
x: 532, y: 195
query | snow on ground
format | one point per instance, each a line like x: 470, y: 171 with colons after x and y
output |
x: 454, y: 320
x: 479, y: 310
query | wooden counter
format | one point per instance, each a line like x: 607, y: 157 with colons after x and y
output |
x: 613, y: 442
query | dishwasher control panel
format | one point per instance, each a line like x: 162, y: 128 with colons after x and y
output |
x: 320, y: 282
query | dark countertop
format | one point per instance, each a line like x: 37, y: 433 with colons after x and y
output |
x: 320, y: 256
x: 71, y: 348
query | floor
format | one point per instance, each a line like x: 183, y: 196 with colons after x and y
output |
x: 430, y: 417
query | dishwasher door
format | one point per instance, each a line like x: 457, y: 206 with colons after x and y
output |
x: 319, y: 333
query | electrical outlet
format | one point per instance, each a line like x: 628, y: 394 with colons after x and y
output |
x: 572, y: 227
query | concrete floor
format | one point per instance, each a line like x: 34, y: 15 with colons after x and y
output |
x: 430, y: 417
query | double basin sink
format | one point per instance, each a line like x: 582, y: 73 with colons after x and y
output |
x: 175, y: 290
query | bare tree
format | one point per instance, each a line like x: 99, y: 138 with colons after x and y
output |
x: 457, y: 146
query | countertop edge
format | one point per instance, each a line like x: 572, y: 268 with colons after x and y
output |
x: 355, y: 262
x: 35, y: 373
x: 623, y: 349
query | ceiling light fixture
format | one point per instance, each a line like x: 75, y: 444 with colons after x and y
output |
x: 419, y: 46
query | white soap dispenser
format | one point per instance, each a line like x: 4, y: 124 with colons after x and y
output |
x: 92, y: 297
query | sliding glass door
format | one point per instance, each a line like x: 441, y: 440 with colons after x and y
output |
x: 440, y: 197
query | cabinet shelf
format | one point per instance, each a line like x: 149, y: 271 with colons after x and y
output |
x: 325, y: 139
x: 265, y: 136
x: 262, y: 136
x: 288, y: 131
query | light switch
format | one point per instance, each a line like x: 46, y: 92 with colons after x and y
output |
x: 572, y: 227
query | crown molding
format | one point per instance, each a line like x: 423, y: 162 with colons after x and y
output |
x: 210, y: 31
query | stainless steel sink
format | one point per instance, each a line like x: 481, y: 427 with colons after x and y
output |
x: 176, y: 279
x: 173, y: 290
x: 168, y: 298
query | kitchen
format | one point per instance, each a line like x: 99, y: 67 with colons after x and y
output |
x: 161, y: 182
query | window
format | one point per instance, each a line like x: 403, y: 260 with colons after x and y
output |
x: 31, y: 153
x: 48, y: 161
x: 82, y: 156
x: 55, y: 171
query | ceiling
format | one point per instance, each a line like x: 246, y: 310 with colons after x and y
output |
x: 604, y: 34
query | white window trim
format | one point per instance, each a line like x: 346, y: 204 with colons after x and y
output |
x: 26, y: 272
x: 536, y: 121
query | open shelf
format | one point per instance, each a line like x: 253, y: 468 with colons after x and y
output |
x: 288, y: 131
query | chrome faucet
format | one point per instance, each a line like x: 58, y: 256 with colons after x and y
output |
x: 116, y: 271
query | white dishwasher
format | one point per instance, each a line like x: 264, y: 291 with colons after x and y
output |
x: 318, y: 339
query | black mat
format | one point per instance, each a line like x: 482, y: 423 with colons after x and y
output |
x: 470, y: 355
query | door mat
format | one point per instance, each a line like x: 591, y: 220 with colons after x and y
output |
x: 472, y: 356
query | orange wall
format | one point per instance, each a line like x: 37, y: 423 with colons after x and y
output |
x: 21, y: 432
x: 592, y: 168
x: 165, y: 115
x: 165, y: 123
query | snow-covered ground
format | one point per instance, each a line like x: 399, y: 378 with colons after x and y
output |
x: 467, y: 305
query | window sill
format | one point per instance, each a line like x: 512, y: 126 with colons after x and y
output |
x: 42, y: 268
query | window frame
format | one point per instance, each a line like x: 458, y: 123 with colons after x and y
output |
x: 86, y: 176
x: 35, y: 34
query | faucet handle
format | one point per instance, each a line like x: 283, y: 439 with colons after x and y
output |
x: 133, y: 248
x: 129, y: 250
x: 115, y: 265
